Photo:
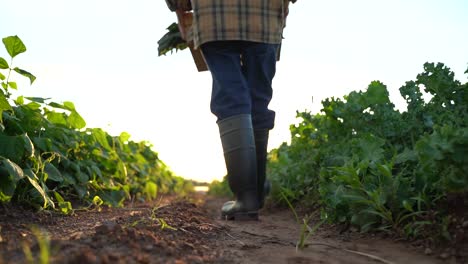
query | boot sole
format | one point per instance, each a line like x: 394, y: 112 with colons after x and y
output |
x: 244, y: 216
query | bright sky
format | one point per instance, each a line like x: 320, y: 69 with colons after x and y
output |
x: 102, y: 55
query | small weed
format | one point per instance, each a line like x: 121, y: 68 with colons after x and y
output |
x: 164, y: 224
x: 306, y: 230
x: 43, y: 241
x: 161, y: 221
x: 290, y: 206
x: 152, y: 219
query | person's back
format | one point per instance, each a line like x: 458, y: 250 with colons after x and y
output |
x: 247, y: 20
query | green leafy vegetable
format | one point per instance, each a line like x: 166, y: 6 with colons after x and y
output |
x: 48, y: 156
x: 374, y: 167
x: 171, y: 41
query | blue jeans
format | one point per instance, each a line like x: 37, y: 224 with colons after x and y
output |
x: 242, y: 74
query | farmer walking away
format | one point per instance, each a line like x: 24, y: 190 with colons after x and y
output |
x: 240, y: 41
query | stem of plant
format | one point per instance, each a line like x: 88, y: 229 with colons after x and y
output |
x: 8, y: 78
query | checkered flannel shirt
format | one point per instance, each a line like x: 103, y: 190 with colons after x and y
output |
x: 249, y: 20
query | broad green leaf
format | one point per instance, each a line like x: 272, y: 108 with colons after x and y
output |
x: 14, y: 45
x: 3, y: 64
x: 370, y: 148
x: 57, y: 105
x: 82, y: 177
x: 377, y: 93
x: 53, y: 172
x: 124, y: 137
x: 19, y: 100
x: 113, y: 197
x: 10, y: 174
x: 31, y: 77
x: 44, y: 144
x: 66, y: 106
x: 405, y: 156
x: 101, y: 137
x: 2, y: 77
x: 96, y: 171
x: 37, y: 99
x: 69, y: 106
x: 151, y: 190
x: 40, y: 189
x: 16, y: 148
x: 28, y: 146
x: 81, y: 190
x: 75, y: 166
x: 68, y: 178
x: 76, y: 121
x: 35, y: 106
x: 4, y: 104
x: 56, y: 118
x: 13, y: 85
x: 4, y: 85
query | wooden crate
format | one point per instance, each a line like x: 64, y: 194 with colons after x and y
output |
x: 185, y: 23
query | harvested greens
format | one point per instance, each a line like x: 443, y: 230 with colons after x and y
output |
x: 171, y: 41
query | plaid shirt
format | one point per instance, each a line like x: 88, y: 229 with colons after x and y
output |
x: 249, y: 20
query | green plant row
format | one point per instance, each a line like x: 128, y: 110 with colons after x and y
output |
x: 376, y: 168
x: 49, y: 159
x: 220, y: 188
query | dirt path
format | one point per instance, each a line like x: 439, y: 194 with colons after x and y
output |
x: 273, y: 240
x: 179, y: 231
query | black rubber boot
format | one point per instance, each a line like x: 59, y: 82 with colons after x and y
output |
x: 237, y: 138
x: 263, y: 185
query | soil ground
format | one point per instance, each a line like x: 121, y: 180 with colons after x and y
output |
x: 174, y: 230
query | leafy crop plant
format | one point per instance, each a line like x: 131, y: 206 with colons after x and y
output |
x: 371, y: 166
x: 49, y: 159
